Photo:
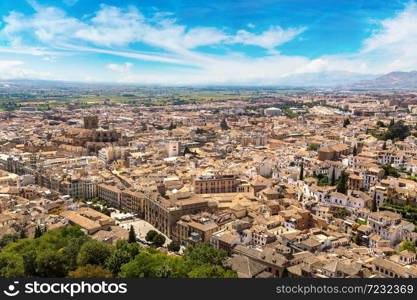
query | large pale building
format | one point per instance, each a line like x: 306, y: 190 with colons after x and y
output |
x: 272, y: 111
x: 333, y: 152
x: 173, y: 148
x: 210, y: 184
x: 164, y: 213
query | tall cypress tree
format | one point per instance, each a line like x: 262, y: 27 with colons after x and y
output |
x: 342, y: 186
x: 224, y: 125
x: 346, y: 122
x: 132, y: 235
x: 374, y: 204
x: 302, y: 171
x: 172, y: 126
x: 38, y: 232
x: 333, y: 178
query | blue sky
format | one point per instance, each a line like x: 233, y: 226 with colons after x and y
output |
x: 204, y: 42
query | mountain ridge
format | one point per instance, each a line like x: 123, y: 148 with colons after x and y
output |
x: 327, y: 79
x: 392, y: 80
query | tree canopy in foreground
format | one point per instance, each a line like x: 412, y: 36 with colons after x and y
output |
x: 68, y: 252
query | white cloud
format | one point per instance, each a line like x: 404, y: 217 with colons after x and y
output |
x: 35, y: 51
x: 397, y: 34
x: 129, y: 54
x: 48, y: 24
x: 271, y: 38
x: 190, y: 39
x: 11, y: 69
x: 112, y: 30
x: 113, y: 26
x: 394, y: 45
x: 49, y: 58
x: 7, y: 64
x: 122, y: 68
x: 118, y: 28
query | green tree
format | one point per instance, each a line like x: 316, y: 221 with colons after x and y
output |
x: 115, y: 261
x: 390, y: 171
x: 93, y: 253
x: 289, y: 113
x: 397, y: 130
x: 380, y: 123
x: 43, y: 256
x: 384, y: 146
x: 90, y: 271
x: 346, y: 122
x: 30, y: 264
x: 172, y: 126
x: 392, y: 122
x: 211, y: 271
x: 38, y: 232
x: 188, y: 151
x: 158, y: 240
x: 224, y: 125
x: 204, y: 253
x: 11, y: 265
x: 200, y: 131
x: 22, y: 234
x: 356, y: 239
x: 50, y: 264
x: 333, y: 178
x: 132, y: 235
x: 148, y: 264
x: 151, y: 235
x: 174, y: 246
x: 313, y: 147
x: 342, y: 185
x: 341, y: 212
x: 323, y: 180
x: 407, y: 245
x: 355, y: 151
x: 8, y: 238
x: 374, y: 203
x: 70, y: 251
x: 132, y: 248
x: 301, y: 171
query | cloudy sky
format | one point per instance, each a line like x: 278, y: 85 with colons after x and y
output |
x: 204, y: 42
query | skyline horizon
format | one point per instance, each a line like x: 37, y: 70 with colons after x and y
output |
x: 182, y: 43
x: 278, y: 86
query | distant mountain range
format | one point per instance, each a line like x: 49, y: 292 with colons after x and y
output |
x: 393, y: 80
x: 333, y: 79
x: 350, y: 80
x: 323, y: 79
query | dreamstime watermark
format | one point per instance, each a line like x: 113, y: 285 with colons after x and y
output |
x: 71, y: 288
